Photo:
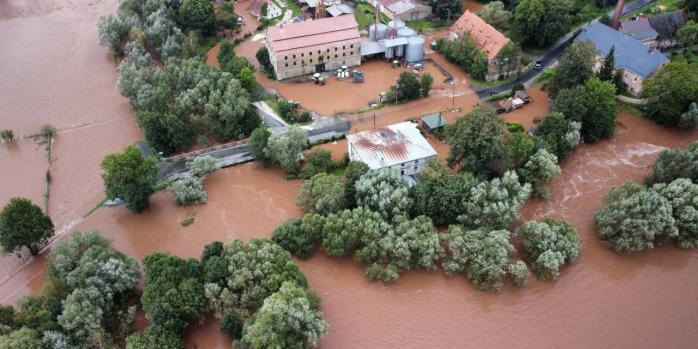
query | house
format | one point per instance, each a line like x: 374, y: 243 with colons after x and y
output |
x: 502, y: 59
x: 339, y: 10
x: 641, y: 30
x: 404, y: 10
x: 433, y: 122
x: 399, y: 147
x: 666, y: 26
x: 309, y: 47
x: 636, y: 61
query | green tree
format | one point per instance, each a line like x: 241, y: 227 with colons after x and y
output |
x: 425, y: 82
x: 167, y: 133
x: 316, y: 162
x: 540, y: 168
x: 446, y: 9
x: 495, y: 204
x: 635, y: 219
x: 292, y: 236
x: 197, y: 15
x: 290, y: 318
x: 7, y: 136
x: 559, y: 135
x: 539, y: 23
x: 549, y: 245
x: 265, y: 62
x: 260, y: 268
x: 188, y: 190
x: 439, y: 196
x: 608, y: 66
x: 682, y: 195
x: 285, y: 149
x: 482, y: 256
x: 155, y: 337
x: 25, y: 338
x: 518, y: 271
x: 342, y: 232
x: 200, y: 166
x: 477, y: 142
x: 673, y: 164
x: 594, y: 105
x: 407, y: 87
x: 408, y: 244
x: 383, y: 191
x: 575, y: 67
x: 496, y: 15
x: 354, y: 171
x: 23, y: 224
x: 257, y: 144
x: 689, y: 119
x: 670, y: 92
x: 129, y: 176
x: 323, y: 194
x: 688, y: 34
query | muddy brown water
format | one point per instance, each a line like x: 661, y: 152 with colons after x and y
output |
x: 54, y: 72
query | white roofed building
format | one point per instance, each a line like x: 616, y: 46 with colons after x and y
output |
x: 400, y: 147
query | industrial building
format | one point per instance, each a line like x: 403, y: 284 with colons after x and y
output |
x: 393, y: 41
x: 501, y: 62
x: 404, y: 10
x: 399, y: 147
x: 297, y: 49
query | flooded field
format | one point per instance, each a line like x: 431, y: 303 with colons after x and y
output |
x: 54, y: 72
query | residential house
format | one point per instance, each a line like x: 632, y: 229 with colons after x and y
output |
x: 636, y: 61
x: 309, y: 47
x: 399, y: 147
x: 640, y: 29
x: 667, y: 25
x: 503, y: 60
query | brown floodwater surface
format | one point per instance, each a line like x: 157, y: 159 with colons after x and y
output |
x: 54, y: 72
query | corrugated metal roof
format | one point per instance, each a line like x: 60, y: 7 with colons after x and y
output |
x: 371, y: 47
x: 630, y: 53
x: 395, y: 42
x: 311, y: 33
x: 434, y: 121
x: 388, y: 146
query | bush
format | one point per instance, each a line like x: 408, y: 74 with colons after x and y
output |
x: 673, y: 164
x: 635, y: 219
x: 342, y: 232
x: 549, y: 245
x: 518, y: 271
x: 7, y: 136
x: 200, y: 166
x: 318, y: 161
x: 383, y: 191
x: 321, y: 194
x: 559, y: 135
x: 682, y: 195
x: 353, y: 172
x: 188, y: 190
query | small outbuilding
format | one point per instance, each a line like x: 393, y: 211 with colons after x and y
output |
x: 523, y: 95
x: 497, y: 107
x: 433, y: 122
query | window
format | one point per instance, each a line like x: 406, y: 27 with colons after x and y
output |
x: 303, y: 62
x: 311, y: 61
x: 328, y: 50
x: 344, y: 47
x: 302, y: 54
x: 351, y: 46
x: 344, y: 54
x: 335, y: 49
x: 287, y: 64
x: 295, y: 63
x: 319, y: 51
x: 335, y: 56
x: 285, y: 57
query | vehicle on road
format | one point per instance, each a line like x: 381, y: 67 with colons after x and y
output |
x: 538, y: 66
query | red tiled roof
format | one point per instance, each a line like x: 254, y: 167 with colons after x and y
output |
x: 486, y: 37
x: 311, y: 33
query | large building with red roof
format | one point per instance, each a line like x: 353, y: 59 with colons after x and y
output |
x: 500, y: 52
x: 309, y: 47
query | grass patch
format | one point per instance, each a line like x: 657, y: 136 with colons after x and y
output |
x: 208, y: 43
x: 295, y: 10
x: 365, y: 14
x: 499, y: 97
x: 188, y: 220
x: 97, y: 206
x: 427, y: 25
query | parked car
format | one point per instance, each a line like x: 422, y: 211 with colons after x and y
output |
x: 538, y: 66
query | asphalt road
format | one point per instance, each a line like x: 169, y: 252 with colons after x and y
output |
x: 552, y: 56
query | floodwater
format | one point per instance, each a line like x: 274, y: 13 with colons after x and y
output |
x: 54, y: 71
x: 473, y: 6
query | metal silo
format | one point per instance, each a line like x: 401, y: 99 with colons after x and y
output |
x: 415, y: 49
x: 378, y: 31
x: 400, y: 51
x: 389, y: 52
x: 406, y: 32
x: 396, y: 25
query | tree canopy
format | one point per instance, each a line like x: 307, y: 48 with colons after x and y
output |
x: 549, y: 245
x: 477, y: 142
x: 323, y: 194
x: 593, y: 105
x: 673, y: 164
x: 129, y: 176
x: 383, y: 191
x: 575, y: 67
x: 23, y: 224
x: 539, y: 23
x: 670, y: 92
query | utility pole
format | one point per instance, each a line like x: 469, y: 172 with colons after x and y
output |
x: 397, y: 91
x: 374, y: 118
x: 453, y: 95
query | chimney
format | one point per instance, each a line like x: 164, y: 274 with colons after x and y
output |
x: 615, y: 23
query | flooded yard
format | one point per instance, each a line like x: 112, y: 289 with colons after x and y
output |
x: 55, y: 72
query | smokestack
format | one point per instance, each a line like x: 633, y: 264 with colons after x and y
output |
x: 615, y: 23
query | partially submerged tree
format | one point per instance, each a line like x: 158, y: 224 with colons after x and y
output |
x: 188, y: 190
x: 594, y: 105
x: 383, y: 191
x: 129, y: 176
x: 292, y: 236
x: 285, y: 149
x: 7, y: 136
x: 23, y: 224
x: 682, y: 195
x: 495, y: 204
x: 559, y: 135
x: 477, y: 142
x: 257, y: 145
x: 549, y: 245
x: 323, y: 194
x: 673, y: 164
x: 342, y: 232
x: 540, y: 168
x: 354, y: 171
x: 670, y: 92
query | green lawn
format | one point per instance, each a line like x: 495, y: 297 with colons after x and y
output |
x: 427, y: 25
x: 365, y: 14
x: 294, y: 8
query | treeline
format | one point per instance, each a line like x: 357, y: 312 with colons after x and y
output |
x: 464, y: 52
x: 662, y: 211
x: 391, y: 227
x: 90, y: 298
x: 178, y: 98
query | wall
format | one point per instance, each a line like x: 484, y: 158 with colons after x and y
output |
x: 303, y: 61
x: 407, y: 168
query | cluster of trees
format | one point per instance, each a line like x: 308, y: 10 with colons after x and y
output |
x: 130, y: 177
x: 87, y: 302
x: 446, y: 9
x: 496, y: 14
x: 256, y: 290
x: 672, y: 95
x: 284, y: 150
x: 464, y: 52
x: 267, y: 68
x: 585, y: 97
x: 189, y: 189
x: 186, y: 99
x: 539, y: 23
x: 666, y: 209
x: 483, y: 145
x: 408, y: 87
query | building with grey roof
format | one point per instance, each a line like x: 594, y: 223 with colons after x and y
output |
x: 635, y: 60
x: 666, y: 26
x: 640, y: 29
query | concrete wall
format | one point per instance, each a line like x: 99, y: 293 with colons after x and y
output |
x: 632, y: 80
x: 407, y: 168
x: 303, y: 61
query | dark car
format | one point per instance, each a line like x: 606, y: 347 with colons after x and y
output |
x: 538, y: 66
